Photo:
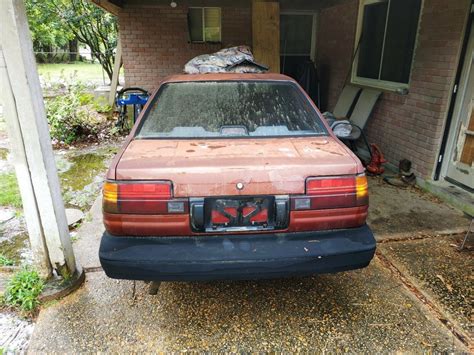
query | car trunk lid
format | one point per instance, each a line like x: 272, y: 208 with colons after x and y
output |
x: 226, y: 167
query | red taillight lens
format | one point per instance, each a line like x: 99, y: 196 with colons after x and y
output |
x: 141, y: 198
x: 333, y: 192
x: 331, y: 186
x: 144, y: 191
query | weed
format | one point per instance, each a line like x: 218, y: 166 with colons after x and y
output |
x: 10, y: 195
x: 75, y: 113
x: 23, y: 290
x: 85, y: 98
x: 3, y: 154
x: 5, y: 261
x: 66, y: 121
x: 101, y: 105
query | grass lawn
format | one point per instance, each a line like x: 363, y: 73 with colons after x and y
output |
x: 10, y: 195
x: 83, y: 71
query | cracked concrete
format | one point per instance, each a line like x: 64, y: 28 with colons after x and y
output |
x: 369, y: 310
x: 361, y: 311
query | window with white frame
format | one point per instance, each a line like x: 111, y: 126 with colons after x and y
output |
x: 204, y: 24
x: 387, y: 31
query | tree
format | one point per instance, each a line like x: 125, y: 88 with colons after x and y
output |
x: 46, y: 27
x: 91, y: 26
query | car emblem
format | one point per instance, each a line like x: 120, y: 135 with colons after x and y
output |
x: 239, y: 186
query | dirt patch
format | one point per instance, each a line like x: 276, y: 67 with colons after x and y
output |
x: 16, y: 248
x: 395, y: 211
x: 442, y: 272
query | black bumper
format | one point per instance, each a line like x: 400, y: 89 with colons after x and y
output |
x: 236, y: 256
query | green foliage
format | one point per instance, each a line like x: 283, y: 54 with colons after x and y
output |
x: 92, y: 26
x: 64, y: 117
x: 75, y: 113
x: 85, y: 98
x: 101, y: 105
x: 3, y: 154
x: 54, y: 23
x: 46, y: 26
x: 23, y: 290
x: 10, y: 195
x: 4, y: 261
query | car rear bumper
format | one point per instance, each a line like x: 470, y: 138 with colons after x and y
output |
x: 236, y: 256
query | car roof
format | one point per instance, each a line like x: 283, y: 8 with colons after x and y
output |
x: 227, y: 77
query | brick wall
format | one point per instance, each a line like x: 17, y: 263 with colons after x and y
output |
x: 335, y: 43
x: 155, y: 40
x: 409, y: 126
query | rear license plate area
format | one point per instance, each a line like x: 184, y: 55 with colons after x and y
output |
x: 239, y: 214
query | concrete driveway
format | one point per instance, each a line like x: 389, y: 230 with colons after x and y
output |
x: 415, y: 296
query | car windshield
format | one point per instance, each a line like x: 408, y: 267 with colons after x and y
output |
x: 229, y: 109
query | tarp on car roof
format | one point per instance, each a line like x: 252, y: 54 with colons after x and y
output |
x: 229, y: 60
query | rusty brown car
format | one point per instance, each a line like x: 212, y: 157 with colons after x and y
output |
x: 233, y: 176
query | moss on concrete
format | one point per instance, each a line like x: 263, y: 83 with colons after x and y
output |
x: 10, y: 195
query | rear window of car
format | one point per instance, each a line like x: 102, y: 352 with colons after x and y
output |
x: 229, y: 109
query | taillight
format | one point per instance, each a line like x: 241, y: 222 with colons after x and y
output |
x: 141, y: 198
x: 333, y: 192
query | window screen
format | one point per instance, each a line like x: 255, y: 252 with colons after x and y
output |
x: 387, y: 42
x: 204, y: 24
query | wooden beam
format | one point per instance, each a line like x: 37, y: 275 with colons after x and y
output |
x: 26, y: 118
x: 107, y: 6
x: 266, y: 33
x: 116, y: 73
x: 33, y: 221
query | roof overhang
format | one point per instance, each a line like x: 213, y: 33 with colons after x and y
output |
x: 113, y: 6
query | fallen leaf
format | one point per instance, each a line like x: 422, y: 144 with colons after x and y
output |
x: 448, y: 286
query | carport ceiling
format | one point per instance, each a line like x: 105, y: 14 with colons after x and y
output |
x: 285, y: 4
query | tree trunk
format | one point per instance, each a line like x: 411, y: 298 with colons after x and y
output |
x: 73, y: 50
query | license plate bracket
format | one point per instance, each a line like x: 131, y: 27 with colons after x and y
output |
x: 239, y: 213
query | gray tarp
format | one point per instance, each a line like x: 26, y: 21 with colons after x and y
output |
x: 229, y: 60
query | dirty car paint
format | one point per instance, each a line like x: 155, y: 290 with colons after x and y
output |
x: 214, y: 167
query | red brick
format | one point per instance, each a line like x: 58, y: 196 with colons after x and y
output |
x: 155, y: 40
x: 403, y: 126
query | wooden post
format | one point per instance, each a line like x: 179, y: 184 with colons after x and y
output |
x: 116, y: 73
x: 266, y: 33
x: 26, y: 119
x: 33, y: 222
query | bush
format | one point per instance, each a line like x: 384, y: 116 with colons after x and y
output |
x: 75, y: 113
x: 23, y: 290
x: 66, y: 120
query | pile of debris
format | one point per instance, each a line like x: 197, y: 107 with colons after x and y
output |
x: 229, y: 60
